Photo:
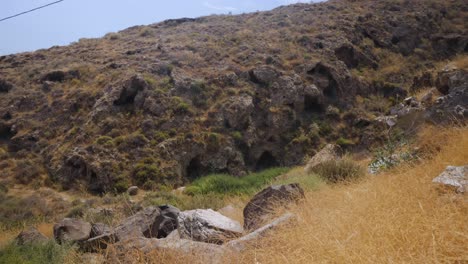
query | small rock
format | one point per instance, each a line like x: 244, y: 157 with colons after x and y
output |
x: 72, y: 230
x: 207, y: 226
x: 264, y: 203
x: 30, y: 236
x: 100, y: 229
x: 454, y: 177
x: 142, y: 224
x: 133, y: 190
x: 328, y: 153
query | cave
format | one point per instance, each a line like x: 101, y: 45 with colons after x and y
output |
x: 55, y: 76
x: 194, y: 169
x: 347, y: 55
x: 266, y: 161
x: 323, y: 78
x: 312, y: 104
x: 130, y: 91
x: 5, y: 133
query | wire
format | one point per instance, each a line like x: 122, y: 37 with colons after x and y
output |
x: 29, y: 11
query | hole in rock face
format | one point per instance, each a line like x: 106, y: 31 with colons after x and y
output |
x: 194, y: 169
x: 266, y: 161
x: 346, y: 54
x: 130, y: 91
x: 5, y: 133
x: 324, y: 80
x: 312, y: 104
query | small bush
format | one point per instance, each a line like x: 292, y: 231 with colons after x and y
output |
x: 339, y: 170
x: 105, y: 141
x: 45, y: 253
x: 343, y: 142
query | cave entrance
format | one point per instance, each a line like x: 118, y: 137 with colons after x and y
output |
x: 194, y: 169
x: 5, y: 133
x: 266, y: 161
x: 312, y: 104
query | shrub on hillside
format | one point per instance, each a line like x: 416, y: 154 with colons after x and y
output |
x: 43, y: 253
x: 339, y: 170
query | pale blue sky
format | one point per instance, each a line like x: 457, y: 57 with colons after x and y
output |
x: 71, y: 20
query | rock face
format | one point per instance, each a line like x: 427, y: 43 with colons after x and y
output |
x: 454, y: 177
x: 453, y: 106
x: 207, y: 226
x: 328, y: 153
x: 72, y: 230
x: 264, y: 203
x: 30, y: 236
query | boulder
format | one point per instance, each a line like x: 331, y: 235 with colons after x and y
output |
x: 240, y: 243
x: 30, y: 236
x: 167, y: 221
x: 454, y: 177
x: 133, y: 190
x: 328, y: 153
x: 263, y: 204
x: 142, y: 224
x: 237, y: 111
x: 264, y: 75
x: 207, y: 226
x: 72, y: 230
x: 449, y: 78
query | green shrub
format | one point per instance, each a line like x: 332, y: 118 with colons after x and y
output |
x: 105, y: 141
x: 147, y: 174
x: 160, y: 136
x: 44, y: 253
x: 229, y: 185
x: 339, y: 170
x: 343, y: 142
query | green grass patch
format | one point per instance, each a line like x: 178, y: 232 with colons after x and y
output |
x: 224, y: 184
x: 45, y: 253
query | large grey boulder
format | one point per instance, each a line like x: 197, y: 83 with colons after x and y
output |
x: 30, y: 236
x: 263, y: 205
x: 207, y: 226
x: 454, y: 177
x: 328, y: 153
x: 72, y: 230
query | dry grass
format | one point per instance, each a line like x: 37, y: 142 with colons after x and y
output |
x: 398, y: 217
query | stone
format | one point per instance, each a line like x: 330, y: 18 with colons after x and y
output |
x: 240, y: 243
x: 167, y: 221
x: 260, y: 208
x: 449, y: 78
x: 228, y: 211
x: 72, y: 230
x: 30, y: 236
x: 99, y: 229
x: 141, y: 224
x: 133, y: 190
x: 263, y: 75
x: 454, y: 177
x: 206, y: 225
x: 388, y: 120
x: 328, y: 153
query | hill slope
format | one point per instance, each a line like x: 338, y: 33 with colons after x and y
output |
x: 165, y: 103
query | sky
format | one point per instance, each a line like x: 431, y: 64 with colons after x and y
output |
x: 70, y: 20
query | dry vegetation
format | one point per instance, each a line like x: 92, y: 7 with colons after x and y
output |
x: 396, y: 217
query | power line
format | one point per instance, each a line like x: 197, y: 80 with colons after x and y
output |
x: 29, y: 11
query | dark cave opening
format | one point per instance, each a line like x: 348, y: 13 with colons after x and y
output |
x: 194, y: 169
x: 266, y: 161
x: 5, y: 133
x: 312, y: 104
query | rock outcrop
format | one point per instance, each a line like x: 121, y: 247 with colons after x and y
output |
x: 454, y: 178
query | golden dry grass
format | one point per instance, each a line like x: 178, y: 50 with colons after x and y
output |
x: 396, y: 217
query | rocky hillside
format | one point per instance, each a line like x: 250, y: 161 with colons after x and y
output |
x: 163, y: 104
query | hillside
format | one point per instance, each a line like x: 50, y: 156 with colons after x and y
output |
x: 311, y: 133
x: 163, y: 104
